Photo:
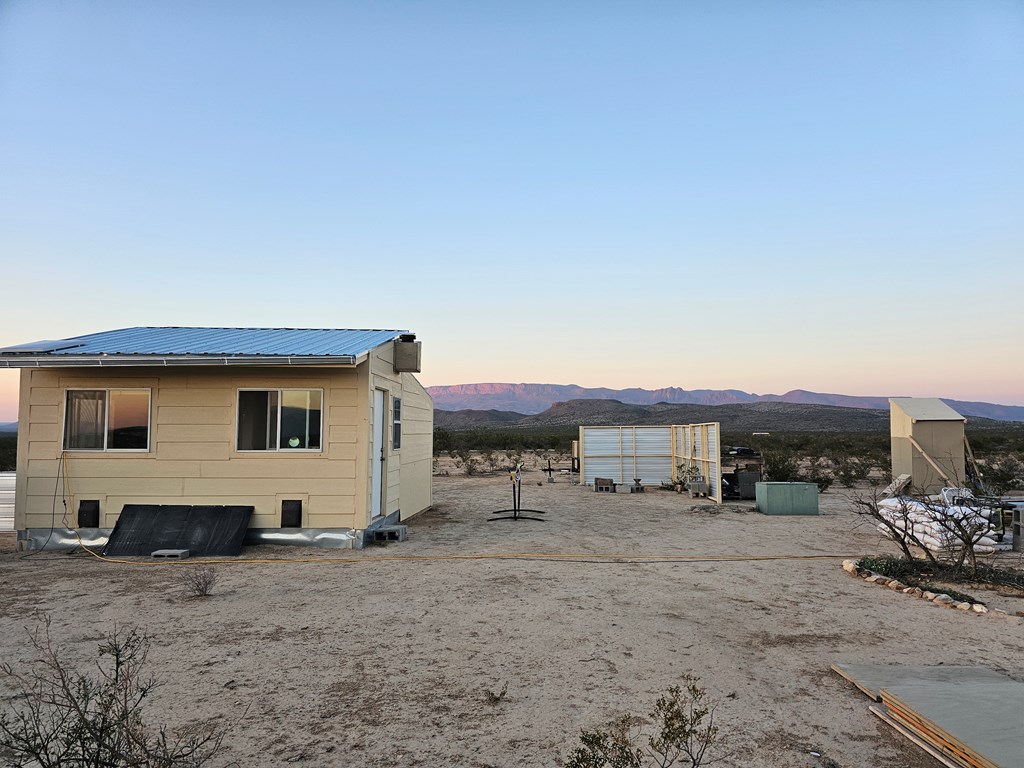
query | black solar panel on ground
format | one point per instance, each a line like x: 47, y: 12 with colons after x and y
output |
x: 142, y: 529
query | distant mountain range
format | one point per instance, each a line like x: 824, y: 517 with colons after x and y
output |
x: 734, y: 417
x: 10, y: 426
x: 537, y: 398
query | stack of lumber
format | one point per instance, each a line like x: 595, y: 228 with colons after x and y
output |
x: 964, y: 717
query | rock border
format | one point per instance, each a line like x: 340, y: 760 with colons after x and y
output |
x: 853, y: 568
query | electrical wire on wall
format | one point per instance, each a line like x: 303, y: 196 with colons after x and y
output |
x: 62, y: 473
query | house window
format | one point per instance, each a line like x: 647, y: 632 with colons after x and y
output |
x: 279, y: 419
x: 106, y: 420
x: 396, y: 424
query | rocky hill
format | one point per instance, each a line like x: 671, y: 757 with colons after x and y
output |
x: 735, y: 417
x: 537, y: 398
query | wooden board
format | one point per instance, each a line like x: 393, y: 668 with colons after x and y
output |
x: 926, y: 731
x: 982, y: 722
x: 883, y: 714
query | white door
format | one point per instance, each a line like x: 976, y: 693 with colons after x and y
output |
x: 377, y: 443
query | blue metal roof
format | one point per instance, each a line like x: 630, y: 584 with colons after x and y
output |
x: 172, y: 342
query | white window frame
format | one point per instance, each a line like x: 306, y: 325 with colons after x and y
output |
x: 106, y: 419
x: 279, y: 390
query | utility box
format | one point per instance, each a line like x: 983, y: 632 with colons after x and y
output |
x: 787, y: 498
x: 746, y: 483
x: 407, y: 354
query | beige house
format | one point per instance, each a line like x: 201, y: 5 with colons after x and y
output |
x: 325, y: 433
x: 927, y: 443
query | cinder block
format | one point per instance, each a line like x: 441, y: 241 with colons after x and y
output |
x: 390, y: 533
x: 172, y: 554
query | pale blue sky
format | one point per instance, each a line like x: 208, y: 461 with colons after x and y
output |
x: 756, y: 195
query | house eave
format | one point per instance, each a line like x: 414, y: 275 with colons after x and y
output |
x: 121, y: 361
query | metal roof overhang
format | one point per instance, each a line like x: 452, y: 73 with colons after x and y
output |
x: 92, y: 361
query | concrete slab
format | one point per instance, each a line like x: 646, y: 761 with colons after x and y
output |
x: 871, y: 678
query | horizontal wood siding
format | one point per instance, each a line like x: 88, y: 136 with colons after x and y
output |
x: 417, y: 447
x: 409, y: 468
x: 192, y: 457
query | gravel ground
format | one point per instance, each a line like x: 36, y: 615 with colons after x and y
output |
x: 385, y: 656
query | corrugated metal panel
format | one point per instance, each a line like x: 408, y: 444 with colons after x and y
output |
x: 602, y: 466
x: 295, y: 342
x: 626, y: 453
x: 653, y: 441
x: 601, y: 455
x: 654, y: 470
x: 7, y: 501
x: 652, y: 454
x: 698, y: 453
x: 714, y: 462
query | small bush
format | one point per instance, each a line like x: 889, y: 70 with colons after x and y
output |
x: 61, y: 718
x: 1005, y: 474
x: 682, y: 728
x: 817, y: 472
x: 849, y: 470
x: 493, y: 698
x: 781, y: 467
x: 909, y: 571
x: 198, y: 581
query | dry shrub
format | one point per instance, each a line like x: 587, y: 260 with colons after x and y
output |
x: 59, y: 717
x: 198, y: 581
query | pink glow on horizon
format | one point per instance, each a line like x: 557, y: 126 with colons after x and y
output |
x: 963, y: 388
x: 8, y: 396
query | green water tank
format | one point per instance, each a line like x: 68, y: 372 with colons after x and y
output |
x: 787, y: 498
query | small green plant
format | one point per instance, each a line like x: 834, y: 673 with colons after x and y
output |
x: 817, y: 472
x: 198, y: 581
x: 490, y: 460
x: 681, y: 730
x: 494, y: 699
x: 466, y: 461
x: 1005, y: 474
x: 614, y: 747
x: 456, y: 458
x: 849, y: 470
x: 781, y: 466
x: 920, y: 573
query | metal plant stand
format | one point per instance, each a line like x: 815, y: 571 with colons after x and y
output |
x: 516, y: 476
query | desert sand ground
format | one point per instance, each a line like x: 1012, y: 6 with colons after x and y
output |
x: 369, y: 658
